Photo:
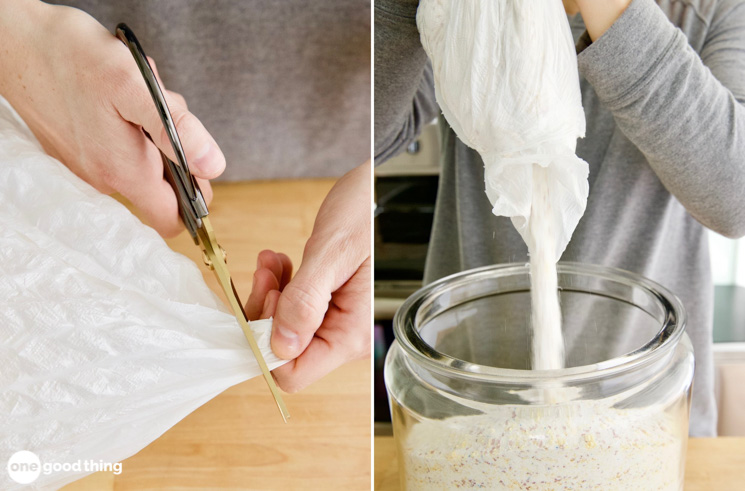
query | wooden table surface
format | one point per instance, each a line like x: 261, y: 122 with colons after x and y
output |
x: 238, y: 439
x: 712, y: 464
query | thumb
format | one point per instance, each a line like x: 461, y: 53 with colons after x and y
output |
x: 305, y: 300
x: 203, y: 156
x: 302, y: 306
x: 338, y: 245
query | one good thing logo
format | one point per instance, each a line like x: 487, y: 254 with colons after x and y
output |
x: 25, y: 467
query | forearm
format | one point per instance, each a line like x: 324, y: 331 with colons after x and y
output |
x: 404, y: 95
x: 687, y: 123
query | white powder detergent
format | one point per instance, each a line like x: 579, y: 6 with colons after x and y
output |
x: 506, y: 80
x: 548, y: 344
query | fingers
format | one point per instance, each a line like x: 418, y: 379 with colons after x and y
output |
x: 339, y: 244
x: 159, y: 205
x: 320, y: 358
x: 135, y: 105
x: 272, y: 273
x: 300, y: 311
x: 304, y: 302
x: 286, y: 270
x: 270, y: 304
x: 264, y: 281
x: 206, y: 188
x: 343, y: 336
x: 139, y: 178
x: 142, y: 182
x: 326, y: 266
x: 175, y: 98
x: 269, y: 260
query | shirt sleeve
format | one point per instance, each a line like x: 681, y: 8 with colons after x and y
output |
x: 404, y: 86
x: 683, y: 111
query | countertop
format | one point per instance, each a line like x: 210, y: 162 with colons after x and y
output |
x: 238, y: 439
x: 712, y: 464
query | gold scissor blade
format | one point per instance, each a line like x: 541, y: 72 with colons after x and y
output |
x: 215, y: 255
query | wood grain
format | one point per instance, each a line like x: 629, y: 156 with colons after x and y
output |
x: 712, y: 464
x: 238, y: 439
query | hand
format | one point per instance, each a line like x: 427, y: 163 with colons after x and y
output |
x: 571, y: 7
x: 322, y: 315
x: 599, y: 15
x: 80, y: 92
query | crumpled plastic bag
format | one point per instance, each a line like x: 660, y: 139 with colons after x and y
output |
x: 506, y: 80
x: 107, y: 337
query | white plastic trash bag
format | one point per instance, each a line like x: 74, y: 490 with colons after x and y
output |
x: 107, y: 337
x: 506, y: 80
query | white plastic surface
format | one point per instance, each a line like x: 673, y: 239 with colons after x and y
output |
x: 107, y: 337
x: 506, y: 79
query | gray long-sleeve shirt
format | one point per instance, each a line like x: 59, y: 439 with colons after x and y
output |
x: 663, y: 91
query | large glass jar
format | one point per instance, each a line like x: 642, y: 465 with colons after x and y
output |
x: 469, y: 413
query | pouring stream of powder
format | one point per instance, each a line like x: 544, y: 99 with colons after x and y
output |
x: 548, y: 344
x: 506, y: 80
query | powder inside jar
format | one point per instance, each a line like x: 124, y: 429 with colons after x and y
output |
x: 582, y: 445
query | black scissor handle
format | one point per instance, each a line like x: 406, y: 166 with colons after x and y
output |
x: 192, y: 206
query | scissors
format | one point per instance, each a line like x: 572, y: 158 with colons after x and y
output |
x: 193, y: 209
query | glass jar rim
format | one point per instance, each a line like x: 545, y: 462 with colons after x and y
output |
x: 673, y: 326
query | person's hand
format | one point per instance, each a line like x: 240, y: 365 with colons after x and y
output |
x: 571, y: 7
x: 80, y: 92
x: 322, y: 315
x: 598, y: 15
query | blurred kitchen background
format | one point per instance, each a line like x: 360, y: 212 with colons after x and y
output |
x: 405, y: 191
